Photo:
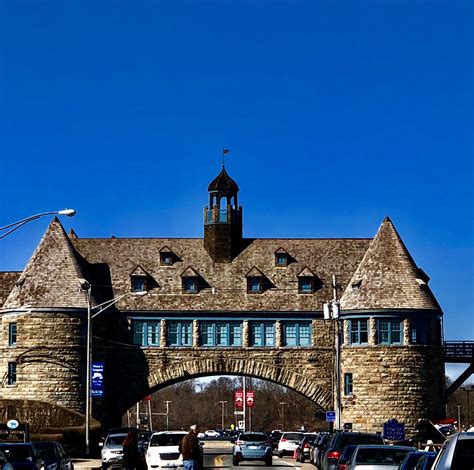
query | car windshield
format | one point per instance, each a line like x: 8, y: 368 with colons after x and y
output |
x: 253, y: 437
x: 310, y: 439
x: 166, y: 439
x: 386, y: 455
x: 116, y: 440
x: 357, y: 439
x: 294, y: 436
x: 17, y: 453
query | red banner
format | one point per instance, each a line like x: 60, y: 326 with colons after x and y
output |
x: 250, y: 399
x: 238, y: 398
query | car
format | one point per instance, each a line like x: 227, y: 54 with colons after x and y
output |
x: 4, y: 465
x: 275, y: 436
x: 319, y: 449
x: 252, y: 446
x: 340, y: 440
x: 21, y: 455
x: 345, y: 457
x: 112, y: 450
x: 53, y: 455
x: 457, y: 452
x: 302, y: 451
x: 378, y: 457
x: 412, y: 459
x: 426, y: 461
x: 288, y: 443
x: 212, y: 433
x: 163, y: 449
x: 143, y: 440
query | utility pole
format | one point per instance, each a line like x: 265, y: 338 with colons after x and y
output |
x: 282, y: 403
x: 167, y: 402
x: 223, y: 403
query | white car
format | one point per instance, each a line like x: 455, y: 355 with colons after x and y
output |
x: 112, y: 450
x: 211, y: 433
x: 163, y: 450
x: 289, y: 442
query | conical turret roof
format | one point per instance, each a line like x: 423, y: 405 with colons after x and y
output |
x: 223, y: 182
x: 52, y: 276
x: 387, y: 277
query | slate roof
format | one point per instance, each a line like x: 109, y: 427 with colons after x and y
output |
x: 223, y: 182
x: 7, y: 282
x: 383, y: 268
x: 387, y: 277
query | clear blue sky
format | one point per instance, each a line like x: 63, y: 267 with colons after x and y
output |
x: 337, y: 113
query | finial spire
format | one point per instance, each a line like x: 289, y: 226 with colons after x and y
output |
x: 224, y: 153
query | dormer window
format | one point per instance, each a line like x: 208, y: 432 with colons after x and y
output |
x: 282, y: 258
x: 190, y: 285
x: 138, y: 283
x: 254, y: 285
x: 308, y: 282
x: 167, y: 257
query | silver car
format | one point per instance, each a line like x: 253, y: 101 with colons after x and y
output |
x: 112, y: 450
x: 378, y: 457
x: 457, y: 453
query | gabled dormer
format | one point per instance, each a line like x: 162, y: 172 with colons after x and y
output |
x: 308, y: 282
x: 282, y: 258
x: 167, y: 256
x: 257, y: 282
x: 140, y: 280
x: 191, y: 281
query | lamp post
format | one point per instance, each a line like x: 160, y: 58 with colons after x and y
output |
x: 167, y: 403
x: 16, y: 225
x: 87, y: 287
x: 331, y: 312
x: 223, y: 403
x: 282, y: 403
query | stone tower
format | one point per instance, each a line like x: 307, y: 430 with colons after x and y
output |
x: 223, y: 219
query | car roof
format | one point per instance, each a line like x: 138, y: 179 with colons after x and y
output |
x: 383, y: 446
x: 117, y: 434
x: 169, y: 432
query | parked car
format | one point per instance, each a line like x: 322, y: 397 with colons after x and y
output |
x: 53, y: 455
x: 275, y: 437
x: 317, y: 452
x: 4, y: 465
x: 112, y: 450
x: 212, y: 433
x: 412, y: 459
x: 288, y: 443
x: 340, y: 440
x: 378, y: 457
x: 302, y: 451
x: 21, y: 455
x: 345, y: 457
x: 163, y: 449
x: 457, y: 453
x: 252, y: 446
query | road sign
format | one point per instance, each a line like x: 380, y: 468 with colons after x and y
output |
x: 237, y: 412
x: 330, y: 416
x: 393, y: 430
x: 97, y: 379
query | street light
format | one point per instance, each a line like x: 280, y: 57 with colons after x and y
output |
x: 167, y: 402
x: 16, y: 225
x: 87, y: 287
x: 223, y: 403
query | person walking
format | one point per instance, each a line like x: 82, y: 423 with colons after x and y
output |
x: 190, y: 449
x: 131, y: 456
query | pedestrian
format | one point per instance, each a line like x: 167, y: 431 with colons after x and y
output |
x: 131, y: 456
x: 190, y: 449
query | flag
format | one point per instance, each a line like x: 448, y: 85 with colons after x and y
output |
x: 225, y: 151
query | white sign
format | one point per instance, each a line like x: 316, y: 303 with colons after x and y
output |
x: 12, y: 424
x: 241, y: 424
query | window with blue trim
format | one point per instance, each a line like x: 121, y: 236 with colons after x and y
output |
x: 12, y: 329
x: 358, y: 331
x: 389, y: 332
x: 306, y: 285
x: 297, y: 333
x: 11, y: 376
x: 420, y: 331
x: 254, y: 285
x: 146, y: 333
x: 190, y: 285
x: 348, y: 387
x: 221, y: 333
x: 281, y: 259
x: 262, y: 333
x: 138, y: 283
x: 180, y: 333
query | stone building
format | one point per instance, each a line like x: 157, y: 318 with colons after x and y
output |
x: 225, y: 304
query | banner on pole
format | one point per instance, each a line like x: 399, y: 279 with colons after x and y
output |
x: 238, y: 398
x: 250, y: 399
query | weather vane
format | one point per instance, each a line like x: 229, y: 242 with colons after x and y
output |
x: 224, y: 153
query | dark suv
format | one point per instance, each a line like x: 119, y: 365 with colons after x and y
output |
x: 21, y: 455
x: 343, y: 439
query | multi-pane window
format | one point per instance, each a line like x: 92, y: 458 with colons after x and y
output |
x: 348, y: 390
x: 11, y: 375
x: 221, y: 333
x: 138, y: 283
x: 305, y: 285
x: 180, y: 333
x: 420, y: 331
x: 358, y: 331
x: 262, y: 333
x: 146, y: 333
x: 389, y: 332
x: 254, y: 285
x: 190, y: 285
x: 296, y: 333
x: 12, y: 329
x: 166, y: 258
x: 281, y: 259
